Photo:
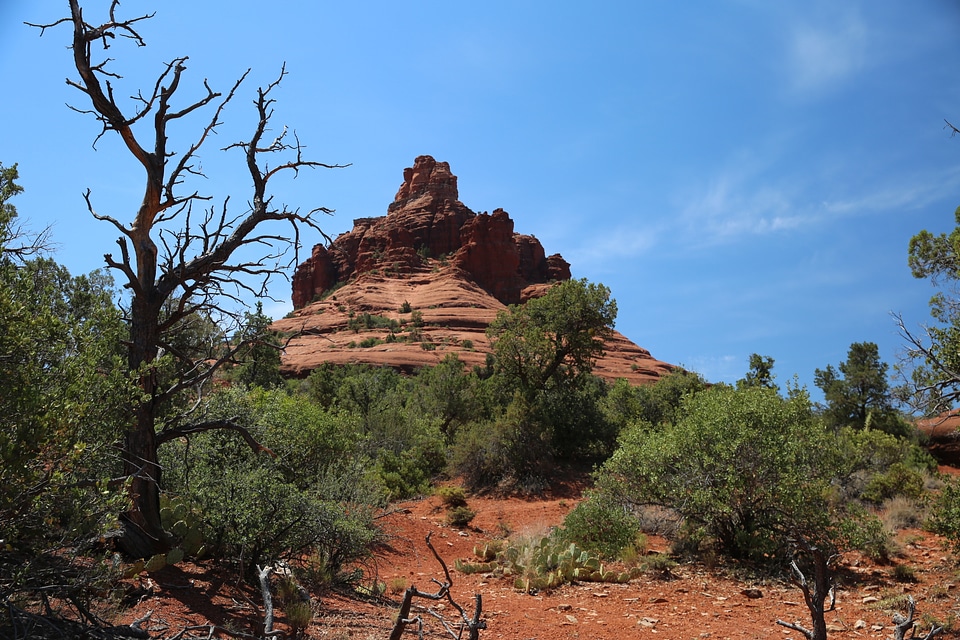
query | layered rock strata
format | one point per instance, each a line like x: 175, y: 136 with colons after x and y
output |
x: 426, y: 220
x: 407, y: 289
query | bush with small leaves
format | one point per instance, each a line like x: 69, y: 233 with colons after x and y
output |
x: 600, y: 525
x: 460, y: 517
x: 298, y: 615
x: 743, y: 468
x: 903, y: 573
x: 945, y: 514
x: 257, y: 508
x: 865, y: 532
x: 897, y: 480
x: 452, y: 496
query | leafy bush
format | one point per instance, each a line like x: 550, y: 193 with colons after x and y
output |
x: 310, y: 499
x: 865, y: 532
x: 460, y: 516
x: 452, y: 496
x: 658, y: 563
x: 64, y: 401
x: 409, y: 472
x: 368, y: 321
x: 945, y: 514
x: 599, y: 525
x: 897, y: 480
x: 659, y: 403
x: 510, y: 450
x: 743, y: 467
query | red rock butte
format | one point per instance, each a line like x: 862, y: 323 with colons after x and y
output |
x: 406, y: 289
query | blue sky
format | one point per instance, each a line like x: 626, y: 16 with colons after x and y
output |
x: 744, y: 175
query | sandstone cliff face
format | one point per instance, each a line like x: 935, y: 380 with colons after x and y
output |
x: 426, y: 220
x: 424, y: 281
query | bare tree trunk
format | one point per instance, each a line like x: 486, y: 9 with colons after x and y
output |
x: 143, y: 533
x: 197, y: 268
x: 814, y: 595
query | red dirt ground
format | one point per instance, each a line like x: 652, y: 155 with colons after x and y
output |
x: 695, y: 603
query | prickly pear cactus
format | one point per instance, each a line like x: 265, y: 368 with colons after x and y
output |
x: 184, y: 524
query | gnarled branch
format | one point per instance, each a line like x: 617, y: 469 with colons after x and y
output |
x: 472, y: 625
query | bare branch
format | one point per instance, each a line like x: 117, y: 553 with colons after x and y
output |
x: 473, y: 625
x: 122, y: 229
x: 264, y: 576
x: 938, y: 396
x: 231, y: 424
x: 814, y: 595
x: 903, y: 624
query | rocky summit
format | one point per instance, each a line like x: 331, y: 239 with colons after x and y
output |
x: 406, y: 289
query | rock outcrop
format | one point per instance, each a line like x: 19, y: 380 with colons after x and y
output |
x: 942, y: 434
x: 408, y: 288
x: 426, y: 220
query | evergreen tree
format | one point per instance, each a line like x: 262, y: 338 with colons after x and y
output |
x: 857, y: 393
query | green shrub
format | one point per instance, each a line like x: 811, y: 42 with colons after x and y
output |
x: 363, y: 321
x: 945, y: 514
x: 903, y: 573
x: 631, y: 554
x: 744, y: 468
x: 658, y: 563
x: 601, y: 526
x: 897, y: 480
x: 508, y: 451
x: 409, y: 472
x: 255, y: 508
x: 460, y: 516
x: 452, y: 496
x: 372, y: 341
x: 298, y: 615
x: 866, y: 533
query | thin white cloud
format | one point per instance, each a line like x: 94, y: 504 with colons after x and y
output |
x: 824, y: 55
x: 729, y: 209
x: 738, y: 203
x: 905, y: 195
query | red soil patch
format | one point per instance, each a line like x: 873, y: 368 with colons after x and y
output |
x: 695, y: 603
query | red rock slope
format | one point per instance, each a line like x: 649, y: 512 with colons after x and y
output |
x: 424, y: 281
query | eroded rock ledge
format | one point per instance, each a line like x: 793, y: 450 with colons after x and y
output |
x: 406, y: 289
x: 426, y: 220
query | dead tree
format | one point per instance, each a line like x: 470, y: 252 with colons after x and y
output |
x: 815, y: 593
x: 471, y: 625
x: 903, y: 624
x: 177, y: 264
